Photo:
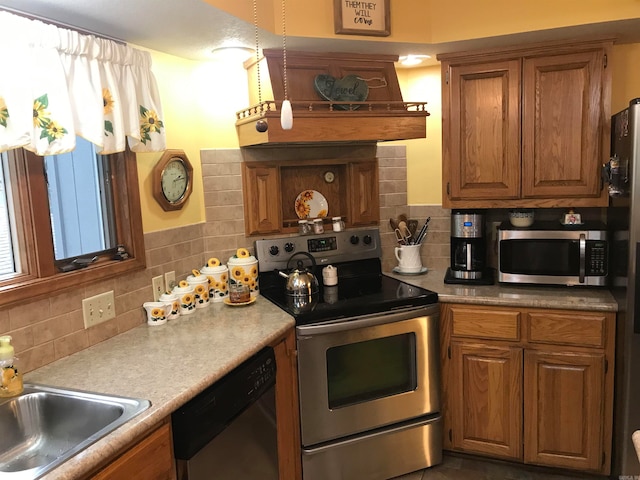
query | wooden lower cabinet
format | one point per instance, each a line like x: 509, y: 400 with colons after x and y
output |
x: 150, y: 459
x: 529, y: 385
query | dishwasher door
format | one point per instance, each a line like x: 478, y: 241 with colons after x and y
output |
x: 246, y: 449
x: 229, y: 430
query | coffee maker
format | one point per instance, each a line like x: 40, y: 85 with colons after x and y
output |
x: 468, y: 249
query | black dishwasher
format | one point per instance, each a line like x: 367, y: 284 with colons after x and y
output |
x: 229, y: 430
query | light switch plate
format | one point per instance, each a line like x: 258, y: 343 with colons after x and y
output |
x: 98, y: 309
x: 158, y: 287
x: 169, y: 281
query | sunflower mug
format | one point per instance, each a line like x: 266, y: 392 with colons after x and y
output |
x: 157, y: 312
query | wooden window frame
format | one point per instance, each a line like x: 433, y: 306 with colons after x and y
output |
x: 40, y: 276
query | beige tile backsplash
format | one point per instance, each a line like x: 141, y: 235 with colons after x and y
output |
x: 47, y: 329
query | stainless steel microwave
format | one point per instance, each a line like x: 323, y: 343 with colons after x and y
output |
x: 549, y: 253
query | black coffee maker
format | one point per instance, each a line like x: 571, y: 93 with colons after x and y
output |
x: 468, y: 249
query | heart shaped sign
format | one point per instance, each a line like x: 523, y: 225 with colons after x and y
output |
x: 350, y: 88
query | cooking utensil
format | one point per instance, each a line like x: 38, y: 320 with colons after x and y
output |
x: 393, y: 223
x: 413, y: 227
x: 402, y: 218
x: 403, y: 235
x: 300, y: 282
x: 423, y: 231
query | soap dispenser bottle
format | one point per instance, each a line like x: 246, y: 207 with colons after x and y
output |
x: 10, y: 378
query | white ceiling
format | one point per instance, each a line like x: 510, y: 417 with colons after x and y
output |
x: 192, y: 28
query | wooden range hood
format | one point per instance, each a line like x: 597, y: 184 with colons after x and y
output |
x: 382, y: 116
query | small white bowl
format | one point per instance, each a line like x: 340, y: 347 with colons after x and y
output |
x: 521, y: 218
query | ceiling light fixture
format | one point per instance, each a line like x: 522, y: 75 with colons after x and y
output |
x: 286, y: 114
x: 232, y: 53
x: 412, y: 60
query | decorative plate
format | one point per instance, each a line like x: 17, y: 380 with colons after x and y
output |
x: 239, y: 304
x: 311, y: 204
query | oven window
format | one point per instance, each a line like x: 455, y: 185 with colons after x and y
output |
x: 363, y: 371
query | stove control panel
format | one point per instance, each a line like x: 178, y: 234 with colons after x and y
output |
x: 331, y: 247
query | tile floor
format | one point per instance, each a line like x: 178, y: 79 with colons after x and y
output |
x: 464, y: 468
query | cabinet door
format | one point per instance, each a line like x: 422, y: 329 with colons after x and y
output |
x: 486, y: 399
x: 481, y: 136
x: 261, y: 187
x: 562, y: 125
x: 563, y: 405
x: 364, y: 201
x: 151, y: 458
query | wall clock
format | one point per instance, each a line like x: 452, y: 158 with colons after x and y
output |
x: 172, y: 180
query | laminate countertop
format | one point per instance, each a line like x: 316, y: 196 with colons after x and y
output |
x: 569, y: 298
x: 172, y: 363
x: 167, y: 364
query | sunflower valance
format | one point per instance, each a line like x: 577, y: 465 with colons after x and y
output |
x: 58, y: 83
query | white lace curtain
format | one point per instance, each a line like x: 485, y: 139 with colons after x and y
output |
x: 57, y: 83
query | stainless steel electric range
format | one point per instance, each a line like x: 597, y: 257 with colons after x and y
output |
x: 368, y: 359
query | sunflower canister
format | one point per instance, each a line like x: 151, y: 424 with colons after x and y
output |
x: 243, y: 268
x: 218, y: 276
x: 200, y: 284
x: 186, y: 293
x: 174, y: 299
x: 157, y: 312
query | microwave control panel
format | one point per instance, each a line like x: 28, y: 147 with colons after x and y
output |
x: 596, y: 261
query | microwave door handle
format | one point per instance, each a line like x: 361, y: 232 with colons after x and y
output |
x: 583, y: 253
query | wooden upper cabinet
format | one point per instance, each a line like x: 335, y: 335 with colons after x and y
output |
x: 526, y: 126
x: 562, y: 107
x: 364, y: 199
x: 270, y: 190
x: 261, y: 211
x: 484, y: 130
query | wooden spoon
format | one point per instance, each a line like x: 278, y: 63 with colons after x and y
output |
x: 393, y: 223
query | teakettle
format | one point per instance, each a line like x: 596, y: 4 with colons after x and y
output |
x: 301, y: 282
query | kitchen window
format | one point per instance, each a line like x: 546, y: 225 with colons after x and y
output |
x: 48, y: 227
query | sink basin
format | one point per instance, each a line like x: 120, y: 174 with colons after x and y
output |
x: 45, y: 426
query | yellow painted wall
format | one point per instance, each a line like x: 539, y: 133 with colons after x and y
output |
x: 199, y: 102
x: 625, y: 64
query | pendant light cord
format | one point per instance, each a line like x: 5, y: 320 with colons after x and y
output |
x: 284, y: 49
x: 255, y: 23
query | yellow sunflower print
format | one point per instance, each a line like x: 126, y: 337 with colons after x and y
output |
x: 40, y: 113
x: 107, y: 101
x: 237, y: 272
x: 54, y: 130
x: 223, y: 277
x: 254, y: 271
x: 149, y: 121
x: 4, y: 112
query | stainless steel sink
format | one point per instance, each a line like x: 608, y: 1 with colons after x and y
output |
x: 45, y: 426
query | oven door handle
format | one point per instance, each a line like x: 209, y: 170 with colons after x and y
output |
x: 583, y: 254
x: 372, y: 320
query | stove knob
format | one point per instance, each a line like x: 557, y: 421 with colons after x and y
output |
x: 367, y: 239
x: 354, y: 239
x: 288, y: 247
x: 274, y: 250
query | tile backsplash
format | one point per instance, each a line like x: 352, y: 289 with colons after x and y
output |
x: 47, y: 329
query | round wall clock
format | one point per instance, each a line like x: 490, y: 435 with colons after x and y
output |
x: 172, y: 180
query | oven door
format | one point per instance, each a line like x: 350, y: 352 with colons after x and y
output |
x: 366, y: 372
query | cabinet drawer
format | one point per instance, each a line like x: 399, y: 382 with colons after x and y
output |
x: 489, y: 323
x: 570, y: 328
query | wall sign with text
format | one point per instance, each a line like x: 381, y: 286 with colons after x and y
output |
x: 354, y: 17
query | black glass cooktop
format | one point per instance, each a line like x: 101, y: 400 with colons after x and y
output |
x: 361, y: 290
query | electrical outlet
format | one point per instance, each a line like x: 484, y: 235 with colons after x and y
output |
x: 169, y: 280
x: 158, y: 287
x: 98, y: 309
